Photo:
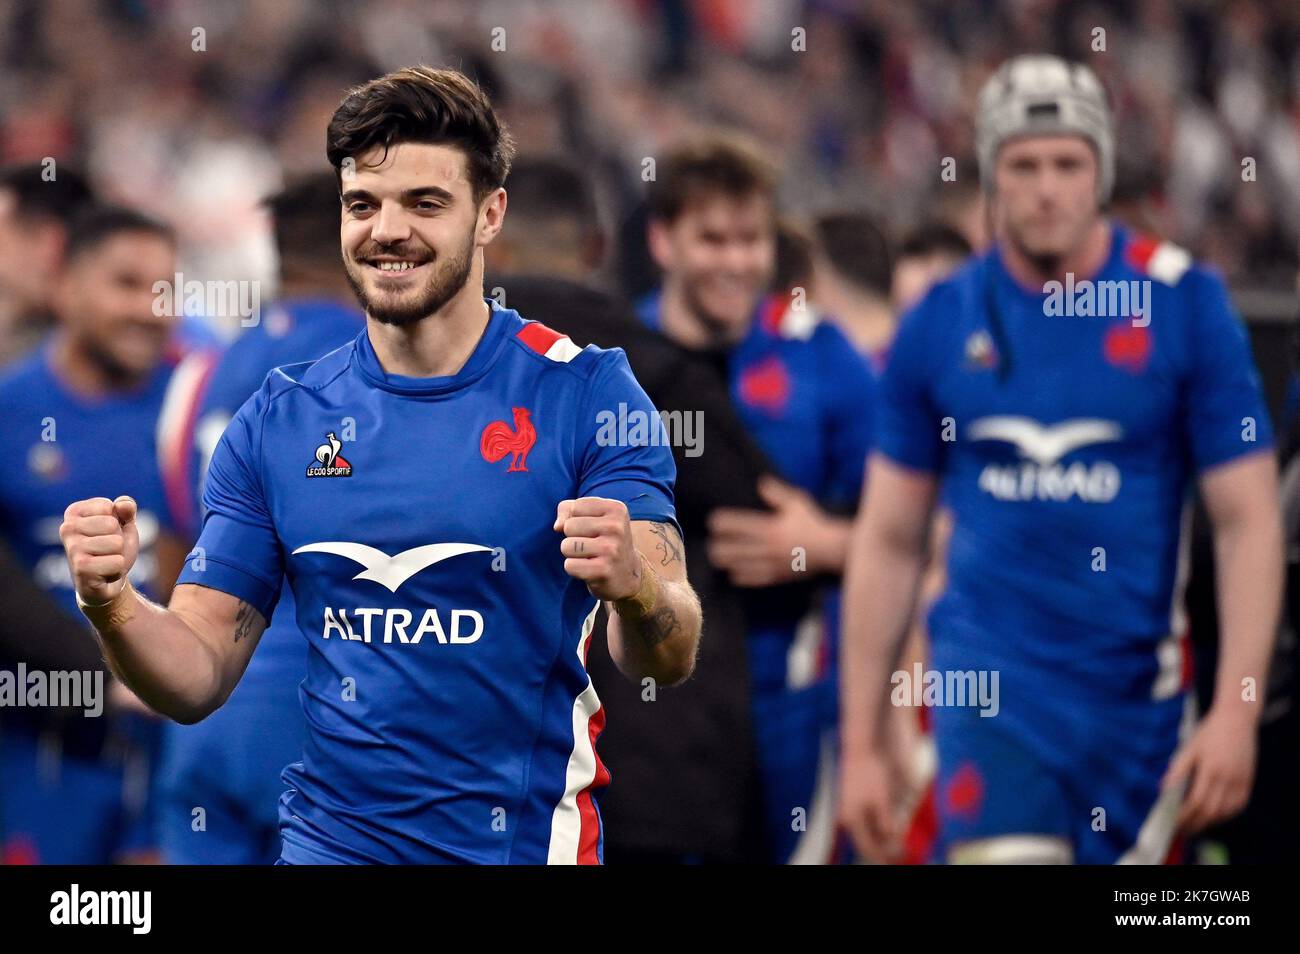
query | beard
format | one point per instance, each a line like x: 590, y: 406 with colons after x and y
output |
x: 720, y: 329
x: 445, y: 281
x: 117, y: 372
x: 1050, y: 259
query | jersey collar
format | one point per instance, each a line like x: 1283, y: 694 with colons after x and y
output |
x: 1119, y: 238
x: 479, y: 361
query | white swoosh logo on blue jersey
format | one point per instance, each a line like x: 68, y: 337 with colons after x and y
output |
x: 1044, y: 445
x: 392, y: 571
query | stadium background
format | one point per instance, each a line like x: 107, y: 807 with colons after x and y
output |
x: 860, y: 117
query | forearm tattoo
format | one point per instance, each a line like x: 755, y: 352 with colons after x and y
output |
x: 669, y: 545
x: 659, y: 625
x: 243, y: 621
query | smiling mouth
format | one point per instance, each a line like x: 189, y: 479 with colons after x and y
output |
x: 394, y: 266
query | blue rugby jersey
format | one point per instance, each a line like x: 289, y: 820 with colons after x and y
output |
x: 1066, y: 446
x: 449, y: 713
x: 91, y: 801
x: 67, y: 447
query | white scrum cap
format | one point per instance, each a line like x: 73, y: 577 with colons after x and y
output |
x: 1037, y: 95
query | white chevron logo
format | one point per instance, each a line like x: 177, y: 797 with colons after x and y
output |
x: 392, y: 571
x: 1044, y: 445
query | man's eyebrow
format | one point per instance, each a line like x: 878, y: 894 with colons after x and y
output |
x: 427, y: 191
x: 355, y: 195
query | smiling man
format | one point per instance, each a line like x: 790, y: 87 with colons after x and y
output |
x: 805, y: 396
x: 447, y: 519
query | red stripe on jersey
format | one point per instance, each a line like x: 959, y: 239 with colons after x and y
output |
x: 1177, y: 850
x: 589, y: 838
x: 1189, y: 661
x: 538, y: 337
x: 922, y: 831
x: 1139, y: 251
x: 770, y: 314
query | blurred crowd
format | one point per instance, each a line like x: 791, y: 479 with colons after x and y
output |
x: 191, y: 111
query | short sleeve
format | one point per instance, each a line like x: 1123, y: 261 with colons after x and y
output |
x: 1227, y: 416
x: 238, y: 551
x: 908, y: 427
x: 627, y: 455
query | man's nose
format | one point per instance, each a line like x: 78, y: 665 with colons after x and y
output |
x: 738, y: 257
x: 390, y: 224
x: 142, y: 309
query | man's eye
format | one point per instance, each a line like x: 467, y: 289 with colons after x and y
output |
x: 356, y: 208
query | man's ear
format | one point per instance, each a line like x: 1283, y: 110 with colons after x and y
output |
x: 492, y: 215
x: 659, y: 242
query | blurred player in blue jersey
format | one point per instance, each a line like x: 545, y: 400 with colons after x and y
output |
x: 80, y: 414
x: 855, y: 284
x: 229, y: 764
x: 1066, y: 437
x: 928, y: 254
x: 806, y: 397
x: 450, y: 508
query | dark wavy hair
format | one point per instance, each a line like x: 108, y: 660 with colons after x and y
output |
x: 716, y: 164
x: 423, y: 105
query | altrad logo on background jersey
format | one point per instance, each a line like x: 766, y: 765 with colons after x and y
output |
x: 1041, y: 475
x: 499, y: 439
x: 329, y: 462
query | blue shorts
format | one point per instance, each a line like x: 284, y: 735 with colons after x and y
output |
x: 1080, y: 782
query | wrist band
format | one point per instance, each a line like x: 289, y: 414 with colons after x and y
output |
x: 114, y: 612
x: 642, y: 602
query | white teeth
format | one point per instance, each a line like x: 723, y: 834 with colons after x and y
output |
x: 395, y: 266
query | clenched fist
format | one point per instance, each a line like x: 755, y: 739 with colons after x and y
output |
x: 101, y: 540
x: 598, y: 546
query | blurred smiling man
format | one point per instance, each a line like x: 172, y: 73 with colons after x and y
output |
x: 449, y: 522
x: 806, y: 398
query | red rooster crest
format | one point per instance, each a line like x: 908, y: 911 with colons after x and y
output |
x: 498, y: 440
